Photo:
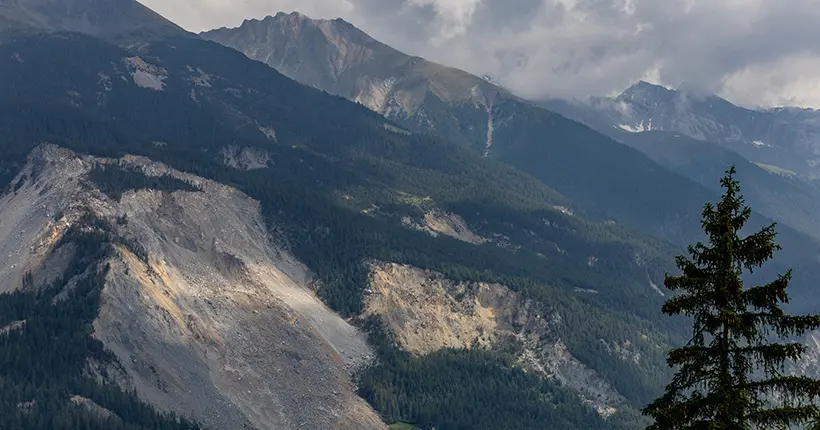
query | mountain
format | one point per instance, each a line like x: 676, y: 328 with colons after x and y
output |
x: 200, y: 236
x: 424, y: 97
x: 194, y: 209
x: 196, y: 302
x: 335, y: 56
x: 788, y: 138
x: 123, y: 21
x: 603, y: 179
x: 690, y: 136
x: 785, y: 198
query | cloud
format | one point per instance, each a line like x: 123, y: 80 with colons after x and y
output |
x: 453, y: 17
x: 756, y: 52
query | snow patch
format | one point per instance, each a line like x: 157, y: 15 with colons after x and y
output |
x: 638, y: 128
x: 760, y: 144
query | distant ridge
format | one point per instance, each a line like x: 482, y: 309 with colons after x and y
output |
x: 116, y: 20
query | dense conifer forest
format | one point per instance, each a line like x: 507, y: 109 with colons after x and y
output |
x: 326, y: 147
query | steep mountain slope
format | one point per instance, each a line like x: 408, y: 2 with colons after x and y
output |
x: 350, y: 195
x: 117, y: 20
x: 785, y: 137
x: 340, y: 186
x: 336, y: 57
x: 786, y: 198
x: 601, y: 178
x: 781, y: 194
x: 203, y: 312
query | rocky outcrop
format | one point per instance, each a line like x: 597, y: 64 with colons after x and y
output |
x: 335, y: 56
x: 437, y: 222
x: 14, y: 326
x: 246, y: 158
x: 96, y: 410
x: 206, y: 315
x: 426, y: 312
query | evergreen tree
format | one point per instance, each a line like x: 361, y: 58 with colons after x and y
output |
x: 731, y: 373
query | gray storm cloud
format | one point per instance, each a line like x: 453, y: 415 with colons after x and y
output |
x: 755, y: 52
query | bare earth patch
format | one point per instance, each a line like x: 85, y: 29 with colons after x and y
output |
x: 206, y: 315
x: 427, y: 312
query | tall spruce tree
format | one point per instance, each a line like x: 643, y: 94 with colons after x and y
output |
x: 731, y: 374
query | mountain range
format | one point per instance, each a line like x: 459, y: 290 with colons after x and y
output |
x: 786, y: 138
x: 697, y: 136
x: 211, y: 244
x: 600, y: 176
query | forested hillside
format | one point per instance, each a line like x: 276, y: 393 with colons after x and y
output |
x: 605, y: 180
x: 336, y: 181
x: 81, y: 93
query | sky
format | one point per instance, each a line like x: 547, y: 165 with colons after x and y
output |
x: 753, y: 52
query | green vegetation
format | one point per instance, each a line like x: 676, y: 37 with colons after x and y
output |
x: 470, y: 389
x: 789, y: 199
x: 42, y: 364
x: 402, y: 426
x: 114, y: 180
x: 731, y: 374
x: 327, y: 147
x: 395, y: 129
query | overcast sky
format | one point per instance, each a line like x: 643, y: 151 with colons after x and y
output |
x: 754, y: 52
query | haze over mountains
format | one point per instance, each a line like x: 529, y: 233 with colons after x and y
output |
x: 336, y: 57
x: 200, y: 234
x: 786, y: 138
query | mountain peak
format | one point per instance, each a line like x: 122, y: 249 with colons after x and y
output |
x: 117, y: 20
x: 296, y: 24
x: 293, y: 16
x: 643, y: 88
x: 646, y: 85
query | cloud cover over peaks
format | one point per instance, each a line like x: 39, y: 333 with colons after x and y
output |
x: 755, y: 52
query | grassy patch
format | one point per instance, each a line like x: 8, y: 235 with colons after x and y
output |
x: 394, y: 129
x: 402, y: 426
x: 412, y: 200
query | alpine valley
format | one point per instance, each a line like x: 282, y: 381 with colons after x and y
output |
x: 290, y: 225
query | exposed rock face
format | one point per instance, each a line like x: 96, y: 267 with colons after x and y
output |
x: 335, y: 56
x: 96, y: 410
x: 245, y: 158
x: 207, y: 316
x: 810, y: 364
x: 14, y: 326
x: 436, y: 222
x: 146, y: 75
x: 427, y: 312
